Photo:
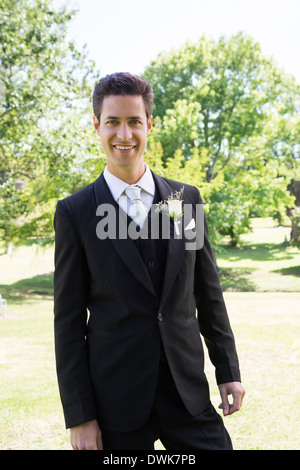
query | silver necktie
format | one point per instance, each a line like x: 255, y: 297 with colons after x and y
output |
x: 137, y: 211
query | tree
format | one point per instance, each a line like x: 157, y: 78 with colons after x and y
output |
x: 294, y: 213
x: 225, y: 98
x: 45, y: 89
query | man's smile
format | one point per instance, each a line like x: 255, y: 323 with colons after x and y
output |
x: 124, y: 147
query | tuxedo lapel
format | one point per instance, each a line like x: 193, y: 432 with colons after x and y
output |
x: 176, y: 246
x: 125, y: 248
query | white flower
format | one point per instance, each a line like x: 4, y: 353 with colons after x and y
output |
x: 175, y: 208
x: 172, y: 207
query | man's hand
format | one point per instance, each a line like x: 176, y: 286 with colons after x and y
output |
x: 86, y: 436
x: 237, y: 391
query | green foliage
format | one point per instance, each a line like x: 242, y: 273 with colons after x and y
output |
x: 46, y: 145
x: 228, y: 121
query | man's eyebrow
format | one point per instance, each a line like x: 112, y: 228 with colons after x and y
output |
x: 129, y: 117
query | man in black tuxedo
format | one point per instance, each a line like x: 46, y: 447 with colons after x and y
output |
x: 129, y: 308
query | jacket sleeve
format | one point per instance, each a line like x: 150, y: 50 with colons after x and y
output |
x: 71, y: 277
x: 212, y: 314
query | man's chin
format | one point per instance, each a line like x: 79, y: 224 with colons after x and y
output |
x: 131, y: 170
x: 127, y: 161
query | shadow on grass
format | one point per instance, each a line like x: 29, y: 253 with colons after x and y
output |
x: 26, y: 289
x: 261, y: 252
x: 237, y: 285
x: 245, y: 279
x: 233, y: 280
x: 291, y: 271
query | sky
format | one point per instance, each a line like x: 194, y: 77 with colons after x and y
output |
x: 125, y: 35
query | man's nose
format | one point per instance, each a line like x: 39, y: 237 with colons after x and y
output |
x: 124, y: 132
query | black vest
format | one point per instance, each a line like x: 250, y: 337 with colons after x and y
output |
x: 154, y: 252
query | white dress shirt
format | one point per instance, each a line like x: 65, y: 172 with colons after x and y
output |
x: 117, y: 187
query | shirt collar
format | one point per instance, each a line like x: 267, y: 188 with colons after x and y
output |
x: 146, y: 182
x: 117, y: 186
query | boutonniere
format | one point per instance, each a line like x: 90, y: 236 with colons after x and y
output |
x: 172, y: 208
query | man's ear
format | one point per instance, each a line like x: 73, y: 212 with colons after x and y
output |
x: 96, y: 124
x: 149, y: 125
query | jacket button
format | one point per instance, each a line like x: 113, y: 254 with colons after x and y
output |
x: 159, y: 317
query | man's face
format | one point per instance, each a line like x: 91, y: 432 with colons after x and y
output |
x: 123, y: 130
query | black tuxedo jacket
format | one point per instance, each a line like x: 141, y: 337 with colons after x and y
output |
x: 110, y: 324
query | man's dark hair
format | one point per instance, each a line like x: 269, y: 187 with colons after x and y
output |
x: 122, y: 83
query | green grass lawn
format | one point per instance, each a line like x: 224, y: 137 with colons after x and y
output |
x: 264, y: 263
x: 262, y: 293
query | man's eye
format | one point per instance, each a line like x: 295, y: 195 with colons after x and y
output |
x: 136, y: 122
x: 111, y: 121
